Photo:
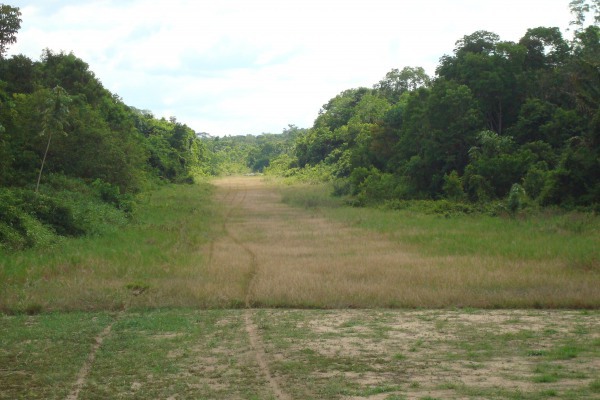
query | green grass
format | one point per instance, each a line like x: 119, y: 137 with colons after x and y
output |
x: 109, y: 272
x: 315, y: 354
x: 153, y: 354
x: 547, y: 235
x: 40, y: 356
x: 537, y: 237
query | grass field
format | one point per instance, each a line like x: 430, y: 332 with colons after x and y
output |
x: 210, y: 293
x: 159, y: 255
x: 312, y: 354
x: 547, y: 260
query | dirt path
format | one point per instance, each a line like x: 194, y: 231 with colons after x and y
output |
x: 87, y: 366
x: 233, y: 195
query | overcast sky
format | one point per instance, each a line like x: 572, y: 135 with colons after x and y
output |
x: 231, y: 67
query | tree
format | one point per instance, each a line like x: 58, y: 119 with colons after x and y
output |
x: 579, y: 9
x: 397, y: 82
x: 440, y: 126
x: 54, y: 119
x: 489, y: 68
x: 546, y: 47
x: 10, y: 23
x: 19, y: 74
x: 585, y: 70
x: 71, y: 73
x: 338, y: 111
x: 479, y: 42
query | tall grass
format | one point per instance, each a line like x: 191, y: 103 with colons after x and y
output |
x: 572, y: 238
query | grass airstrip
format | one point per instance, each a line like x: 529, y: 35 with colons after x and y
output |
x: 243, y: 289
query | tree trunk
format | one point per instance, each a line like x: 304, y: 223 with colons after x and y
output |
x: 37, y: 187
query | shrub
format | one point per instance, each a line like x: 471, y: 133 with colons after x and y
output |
x: 437, y: 207
x: 378, y: 187
x: 67, y: 207
x: 342, y: 187
x: 18, y: 229
x: 50, y: 211
x: 535, y: 179
x: 453, y: 187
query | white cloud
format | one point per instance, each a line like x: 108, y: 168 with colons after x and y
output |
x: 239, y: 66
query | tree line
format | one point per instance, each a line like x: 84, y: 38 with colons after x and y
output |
x: 73, y: 154
x: 499, y: 118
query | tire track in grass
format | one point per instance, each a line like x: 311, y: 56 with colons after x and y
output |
x: 256, y: 342
x: 85, y: 370
x: 231, y: 197
x: 261, y: 358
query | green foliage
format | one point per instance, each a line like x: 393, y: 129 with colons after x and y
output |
x: 66, y: 207
x: 18, y: 229
x: 453, y: 187
x: 271, y: 154
x: 10, y: 23
x: 397, y: 82
x: 580, y: 9
x: 89, y: 152
x: 497, y: 114
x: 535, y: 179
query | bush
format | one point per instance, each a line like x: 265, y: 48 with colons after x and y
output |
x: 437, y: 207
x: 535, y: 180
x: 516, y: 198
x: 342, y: 187
x: 377, y: 187
x: 65, y: 207
x: 51, y: 212
x: 18, y: 229
x: 112, y: 195
x: 453, y: 187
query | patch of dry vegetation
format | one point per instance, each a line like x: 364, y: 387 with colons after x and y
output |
x: 305, y: 260
x: 437, y: 353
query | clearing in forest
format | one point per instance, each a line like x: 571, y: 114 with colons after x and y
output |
x: 182, y: 319
x: 293, y: 257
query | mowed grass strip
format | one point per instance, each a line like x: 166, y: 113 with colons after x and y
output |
x: 315, y: 354
x: 40, y: 356
x: 177, y: 353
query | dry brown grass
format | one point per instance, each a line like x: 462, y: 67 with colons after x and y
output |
x: 302, y: 259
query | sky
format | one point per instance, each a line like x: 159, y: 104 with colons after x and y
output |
x: 231, y: 67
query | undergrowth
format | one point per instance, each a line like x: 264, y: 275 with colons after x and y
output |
x: 64, y: 207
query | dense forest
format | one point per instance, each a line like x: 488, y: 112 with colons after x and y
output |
x: 517, y: 122
x: 499, y: 119
x: 72, y: 154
